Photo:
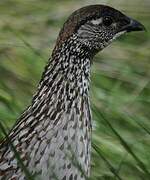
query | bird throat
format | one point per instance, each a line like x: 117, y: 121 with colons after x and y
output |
x: 65, y: 81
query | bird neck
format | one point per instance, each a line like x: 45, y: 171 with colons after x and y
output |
x: 59, y: 118
x: 69, y: 66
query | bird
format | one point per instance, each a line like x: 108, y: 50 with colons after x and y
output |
x: 53, y: 135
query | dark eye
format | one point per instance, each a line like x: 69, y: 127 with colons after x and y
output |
x: 107, y: 21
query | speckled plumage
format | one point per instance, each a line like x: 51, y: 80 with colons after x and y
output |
x: 58, y: 119
x: 53, y: 136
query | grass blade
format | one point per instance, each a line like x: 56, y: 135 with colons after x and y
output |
x: 124, y: 144
x: 22, y: 166
x: 111, y: 168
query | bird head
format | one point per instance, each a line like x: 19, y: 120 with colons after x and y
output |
x: 96, y: 26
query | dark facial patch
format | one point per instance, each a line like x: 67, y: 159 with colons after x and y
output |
x: 107, y: 20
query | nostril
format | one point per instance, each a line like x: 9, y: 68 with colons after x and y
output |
x: 124, y: 22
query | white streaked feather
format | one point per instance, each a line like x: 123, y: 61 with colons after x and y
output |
x: 97, y: 21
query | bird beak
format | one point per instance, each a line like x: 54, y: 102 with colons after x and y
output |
x: 133, y: 26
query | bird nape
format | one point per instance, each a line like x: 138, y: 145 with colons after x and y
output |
x: 53, y: 136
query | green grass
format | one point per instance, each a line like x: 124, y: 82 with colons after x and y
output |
x: 120, y: 88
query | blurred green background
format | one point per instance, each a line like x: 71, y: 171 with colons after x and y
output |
x: 120, y: 89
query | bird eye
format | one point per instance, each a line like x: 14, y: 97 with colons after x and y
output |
x: 107, y: 21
